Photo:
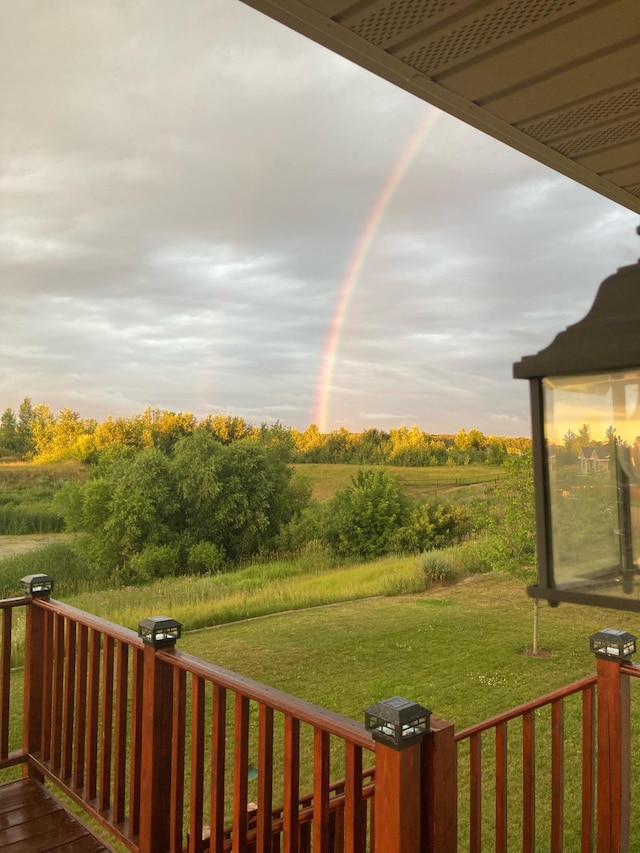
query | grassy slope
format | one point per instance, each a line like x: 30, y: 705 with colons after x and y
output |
x: 418, y: 483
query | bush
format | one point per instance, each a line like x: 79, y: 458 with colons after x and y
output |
x: 205, y: 558
x: 362, y: 519
x: 435, y: 567
x: 451, y: 564
x: 154, y: 561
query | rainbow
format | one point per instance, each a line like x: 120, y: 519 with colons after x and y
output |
x: 357, y: 262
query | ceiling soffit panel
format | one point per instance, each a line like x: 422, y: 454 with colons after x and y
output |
x: 558, y: 80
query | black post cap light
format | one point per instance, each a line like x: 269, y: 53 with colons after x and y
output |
x: 585, y: 410
x: 37, y: 586
x: 397, y: 722
x: 611, y: 644
x: 161, y: 632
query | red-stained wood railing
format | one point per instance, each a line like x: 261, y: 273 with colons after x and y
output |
x: 489, y: 787
x: 157, y: 746
x: 234, y: 724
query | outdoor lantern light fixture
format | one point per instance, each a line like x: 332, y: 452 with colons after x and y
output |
x: 161, y: 632
x: 397, y: 722
x: 37, y: 586
x: 613, y: 645
x: 585, y: 409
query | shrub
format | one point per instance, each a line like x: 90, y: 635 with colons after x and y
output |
x: 362, y: 519
x: 205, y: 558
x: 435, y: 567
x: 154, y: 561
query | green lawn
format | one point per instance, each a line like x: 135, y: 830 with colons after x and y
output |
x: 424, y: 647
x: 418, y: 483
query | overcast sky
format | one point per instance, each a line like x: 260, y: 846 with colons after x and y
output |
x: 184, y: 189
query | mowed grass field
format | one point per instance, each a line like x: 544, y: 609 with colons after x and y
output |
x: 417, y: 483
x: 457, y: 649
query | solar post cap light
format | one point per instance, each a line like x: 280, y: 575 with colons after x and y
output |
x: 611, y: 644
x: 37, y: 586
x: 585, y: 412
x: 397, y: 722
x: 161, y: 632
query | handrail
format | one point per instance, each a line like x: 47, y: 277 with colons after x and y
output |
x: 6, y: 603
x: 632, y: 669
x: 532, y: 705
x: 110, y: 629
x: 307, y: 712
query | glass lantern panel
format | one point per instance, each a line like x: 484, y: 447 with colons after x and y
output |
x: 592, y: 431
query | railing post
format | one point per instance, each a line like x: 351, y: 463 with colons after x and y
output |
x: 614, y: 742
x: 158, y: 632
x: 440, y: 789
x: 37, y: 586
x: 398, y: 727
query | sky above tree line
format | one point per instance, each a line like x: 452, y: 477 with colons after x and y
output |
x: 203, y: 211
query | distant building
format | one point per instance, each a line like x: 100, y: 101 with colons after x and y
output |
x: 593, y: 459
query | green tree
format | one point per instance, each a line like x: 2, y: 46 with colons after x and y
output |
x: 25, y: 428
x: 511, y: 520
x: 362, y: 519
x: 9, y: 438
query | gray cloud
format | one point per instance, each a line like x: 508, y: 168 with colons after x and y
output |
x: 182, y: 190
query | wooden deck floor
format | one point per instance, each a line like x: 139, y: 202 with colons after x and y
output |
x: 32, y: 821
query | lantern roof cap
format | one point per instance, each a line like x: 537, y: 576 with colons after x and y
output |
x: 605, y: 340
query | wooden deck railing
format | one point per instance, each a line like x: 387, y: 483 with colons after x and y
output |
x: 169, y: 753
x: 515, y: 732
x: 157, y: 746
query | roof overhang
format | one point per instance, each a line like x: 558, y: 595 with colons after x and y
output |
x: 558, y: 80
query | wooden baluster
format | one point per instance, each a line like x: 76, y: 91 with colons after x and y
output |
x: 5, y: 681
x: 34, y: 663
x: 178, y: 740
x: 321, y: 768
x: 58, y: 691
x: 355, y: 807
x: 69, y: 700
x: 196, y: 844
x: 136, y: 742
x: 557, y: 776
x: 528, y: 782
x: 218, y: 740
x: 264, y: 843
x: 80, y: 729
x: 106, y: 734
x: 240, y: 774
x: 290, y: 827
x: 47, y: 687
x: 501, y: 788
x: 120, y: 764
x: 91, y: 784
x: 475, y: 793
x: 588, y: 768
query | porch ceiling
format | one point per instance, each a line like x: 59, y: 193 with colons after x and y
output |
x: 558, y: 80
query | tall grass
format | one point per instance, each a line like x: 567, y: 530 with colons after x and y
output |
x: 58, y: 560
x: 26, y: 497
x: 257, y: 590
x: 24, y: 519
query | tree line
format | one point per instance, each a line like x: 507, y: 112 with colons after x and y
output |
x: 34, y: 432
